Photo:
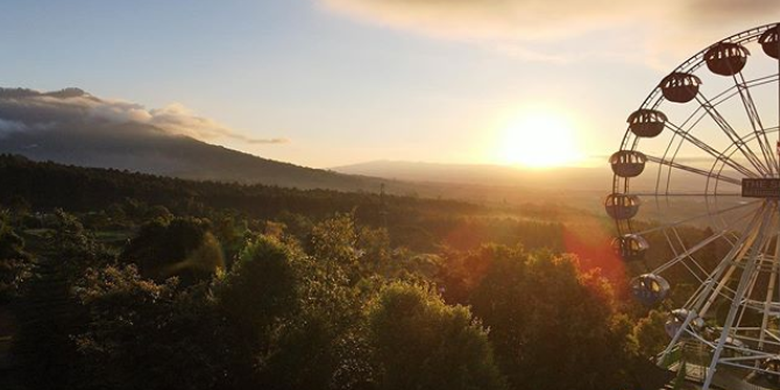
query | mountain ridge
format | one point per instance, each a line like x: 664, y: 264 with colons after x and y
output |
x: 71, y: 126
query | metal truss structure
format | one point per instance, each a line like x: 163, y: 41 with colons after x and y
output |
x: 702, y: 142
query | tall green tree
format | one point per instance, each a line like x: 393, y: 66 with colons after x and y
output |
x: 419, y: 342
x: 322, y: 343
x: 553, y: 326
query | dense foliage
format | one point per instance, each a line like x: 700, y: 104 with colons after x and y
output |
x: 123, y: 281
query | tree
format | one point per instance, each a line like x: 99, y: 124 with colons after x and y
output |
x: 421, y: 343
x: 649, y: 335
x: 261, y: 286
x: 15, y: 263
x: 145, y: 335
x: 553, y: 326
x: 72, y: 245
x: 181, y: 247
x: 48, y: 313
x: 335, y: 241
x: 462, y: 272
x: 320, y: 345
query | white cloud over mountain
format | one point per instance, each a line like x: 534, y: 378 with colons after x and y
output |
x: 27, y: 110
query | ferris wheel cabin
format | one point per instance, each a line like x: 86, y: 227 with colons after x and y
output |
x: 646, y: 123
x: 621, y: 206
x: 726, y: 59
x: 769, y: 42
x: 649, y: 289
x: 680, y: 87
x: 772, y: 364
x: 678, y: 317
x: 630, y: 247
x: 628, y: 163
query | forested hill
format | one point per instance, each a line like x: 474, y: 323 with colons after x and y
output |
x: 48, y: 185
x: 418, y: 223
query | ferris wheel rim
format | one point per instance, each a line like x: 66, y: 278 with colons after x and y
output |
x: 655, y: 98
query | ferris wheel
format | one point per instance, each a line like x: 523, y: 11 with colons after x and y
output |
x: 700, y: 161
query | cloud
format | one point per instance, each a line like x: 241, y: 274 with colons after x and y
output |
x: 523, y: 19
x: 531, y: 25
x: 11, y: 126
x: 27, y: 110
x: 179, y: 119
x: 720, y: 11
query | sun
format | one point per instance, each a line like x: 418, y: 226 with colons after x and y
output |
x: 538, y: 139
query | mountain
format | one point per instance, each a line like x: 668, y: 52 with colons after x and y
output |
x: 565, y: 178
x: 581, y: 188
x: 146, y: 149
x: 559, y: 179
x: 73, y: 127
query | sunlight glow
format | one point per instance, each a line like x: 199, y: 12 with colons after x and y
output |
x: 539, y: 139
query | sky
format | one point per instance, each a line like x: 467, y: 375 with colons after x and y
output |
x: 336, y: 82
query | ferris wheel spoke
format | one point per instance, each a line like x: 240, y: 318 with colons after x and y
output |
x: 768, y: 79
x: 697, y: 171
x: 699, y: 113
x: 732, y: 91
x: 726, y: 230
x: 684, y: 264
x: 736, y: 140
x: 686, y: 135
x: 773, y: 336
x: 716, y: 282
x: 688, y: 252
x: 755, y: 121
x: 701, y: 216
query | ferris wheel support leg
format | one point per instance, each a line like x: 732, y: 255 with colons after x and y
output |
x: 760, y: 265
x: 735, y: 256
x: 747, y: 276
x: 770, y: 294
x: 662, y: 359
x: 745, y: 241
